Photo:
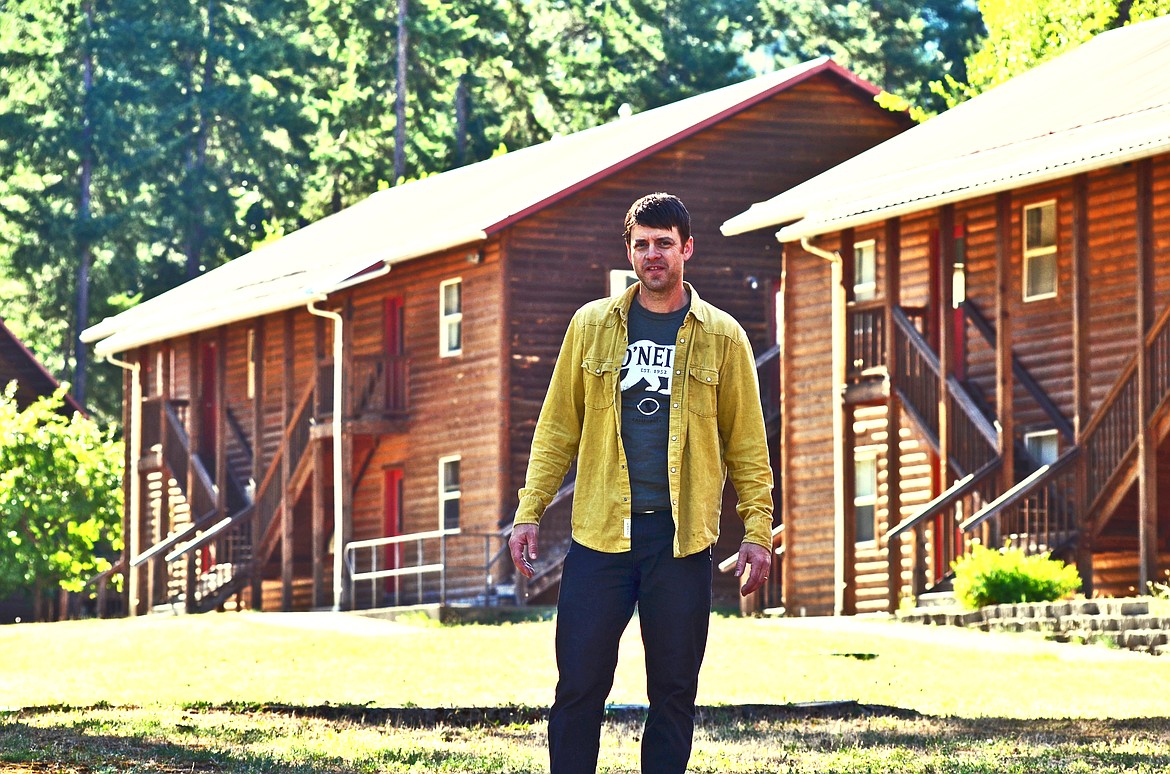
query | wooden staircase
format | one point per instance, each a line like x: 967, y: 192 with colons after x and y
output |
x: 208, y: 557
x: 1076, y: 497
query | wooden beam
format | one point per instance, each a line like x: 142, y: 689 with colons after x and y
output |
x: 221, y: 426
x: 288, y: 395
x: 892, y: 290
x: 1147, y: 443
x: 194, y: 438
x: 320, y: 473
x: 790, y: 529
x: 259, y: 352
x: 1082, y: 406
x: 347, y: 466
x: 1005, y: 294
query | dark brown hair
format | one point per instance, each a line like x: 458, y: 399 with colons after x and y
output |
x: 659, y: 210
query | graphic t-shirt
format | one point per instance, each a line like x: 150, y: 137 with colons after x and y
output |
x: 647, y: 374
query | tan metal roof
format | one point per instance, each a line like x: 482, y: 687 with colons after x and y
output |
x: 460, y: 207
x: 1103, y: 103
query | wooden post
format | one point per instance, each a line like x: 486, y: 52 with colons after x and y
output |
x: 287, y: 393
x: 1005, y: 294
x: 194, y: 438
x: 137, y: 494
x: 1147, y: 442
x: 258, y: 467
x: 347, y: 469
x: 1081, y: 399
x: 946, y: 349
x: 846, y: 437
x: 892, y: 290
x: 221, y: 428
x: 785, y: 461
x: 320, y: 472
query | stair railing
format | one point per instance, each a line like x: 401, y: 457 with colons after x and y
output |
x: 1021, y: 374
x: 945, y: 513
x: 1038, y: 514
x: 1110, y: 437
x: 973, y: 441
x: 270, y: 496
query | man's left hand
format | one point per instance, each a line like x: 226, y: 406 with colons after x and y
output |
x: 760, y: 561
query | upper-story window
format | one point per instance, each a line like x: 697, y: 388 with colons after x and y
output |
x: 450, y: 492
x: 619, y: 280
x: 451, y: 317
x: 864, y: 270
x: 865, y: 491
x: 1040, y: 251
x: 1043, y: 445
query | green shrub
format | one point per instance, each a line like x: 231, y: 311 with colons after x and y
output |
x: 986, y: 577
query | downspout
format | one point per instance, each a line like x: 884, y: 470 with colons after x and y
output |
x: 837, y: 290
x: 338, y: 446
x: 132, y: 547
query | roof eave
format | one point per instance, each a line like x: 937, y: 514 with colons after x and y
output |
x: 813, y: 225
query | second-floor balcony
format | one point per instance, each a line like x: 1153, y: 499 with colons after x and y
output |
x: 378, y: 388
x: 865, y: 346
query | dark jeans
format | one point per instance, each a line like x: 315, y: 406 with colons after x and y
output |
x: 598, y: 594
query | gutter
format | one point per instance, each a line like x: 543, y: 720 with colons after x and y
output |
x: 837, y: 291
x: 339, y: 514
x: 133, y: 516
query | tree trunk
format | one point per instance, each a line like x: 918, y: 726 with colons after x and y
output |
x: 85, y: 252
x: 400, y: 98
x: 461, y: 100
x: 197, y: 163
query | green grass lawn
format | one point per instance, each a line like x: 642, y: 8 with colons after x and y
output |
x: 198, y: 693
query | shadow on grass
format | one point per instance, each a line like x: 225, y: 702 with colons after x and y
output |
x: 81, y: 746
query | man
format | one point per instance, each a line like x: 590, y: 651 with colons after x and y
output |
x: 654, y: 394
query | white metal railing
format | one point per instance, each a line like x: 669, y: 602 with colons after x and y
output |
x: 419, y: 569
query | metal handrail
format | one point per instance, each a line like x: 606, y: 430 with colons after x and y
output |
x: 419, y: 570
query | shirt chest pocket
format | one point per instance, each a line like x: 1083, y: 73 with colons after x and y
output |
x: 703, y: 391
x: 600, y: 379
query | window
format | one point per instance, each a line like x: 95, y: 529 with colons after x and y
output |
x: 619, y: 280
x: 449, y: 492
x: 451, y: 318
x: 865, y: 495
x: 1040, y: 251
x: 1043, y: 445
x: 864, y: 270
x: 251, y: 362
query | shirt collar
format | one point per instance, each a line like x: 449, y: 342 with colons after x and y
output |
x: 620, y: 305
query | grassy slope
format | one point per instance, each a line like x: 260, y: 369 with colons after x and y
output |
x: 271, y: 658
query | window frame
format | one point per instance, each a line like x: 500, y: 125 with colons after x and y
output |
x: 448, y: 318
x: 1048, y: 252
x: 865, y: 291
x: 1045, y: 433
x: 865, y: 454
x: 445, y: 496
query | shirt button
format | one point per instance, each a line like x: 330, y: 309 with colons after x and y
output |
x: 674, y: 470
x: 674, y: 437
x: 708, y: 378
x: 598, y: 370
x: 678, y: 373
x: 682, y: 341
x: 676, y: 405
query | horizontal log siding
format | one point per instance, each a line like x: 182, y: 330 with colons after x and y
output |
x: 561, y: 257
x: 455, y: 403
x: 1112, y: 278
x: 809, y: 486
x: 871, y: 565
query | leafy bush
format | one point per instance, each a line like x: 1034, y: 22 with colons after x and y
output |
x: 987, y: 577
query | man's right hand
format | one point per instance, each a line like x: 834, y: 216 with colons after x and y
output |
x: 523, y: 547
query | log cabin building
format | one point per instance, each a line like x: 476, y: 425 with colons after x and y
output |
x: 344, y: 416
x: 975, y: 338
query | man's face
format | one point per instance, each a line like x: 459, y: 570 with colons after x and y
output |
x: 657, y: 256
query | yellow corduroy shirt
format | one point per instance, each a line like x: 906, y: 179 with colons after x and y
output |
x: 716, y: 430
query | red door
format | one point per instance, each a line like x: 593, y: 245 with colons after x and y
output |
x: 392, y: 520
